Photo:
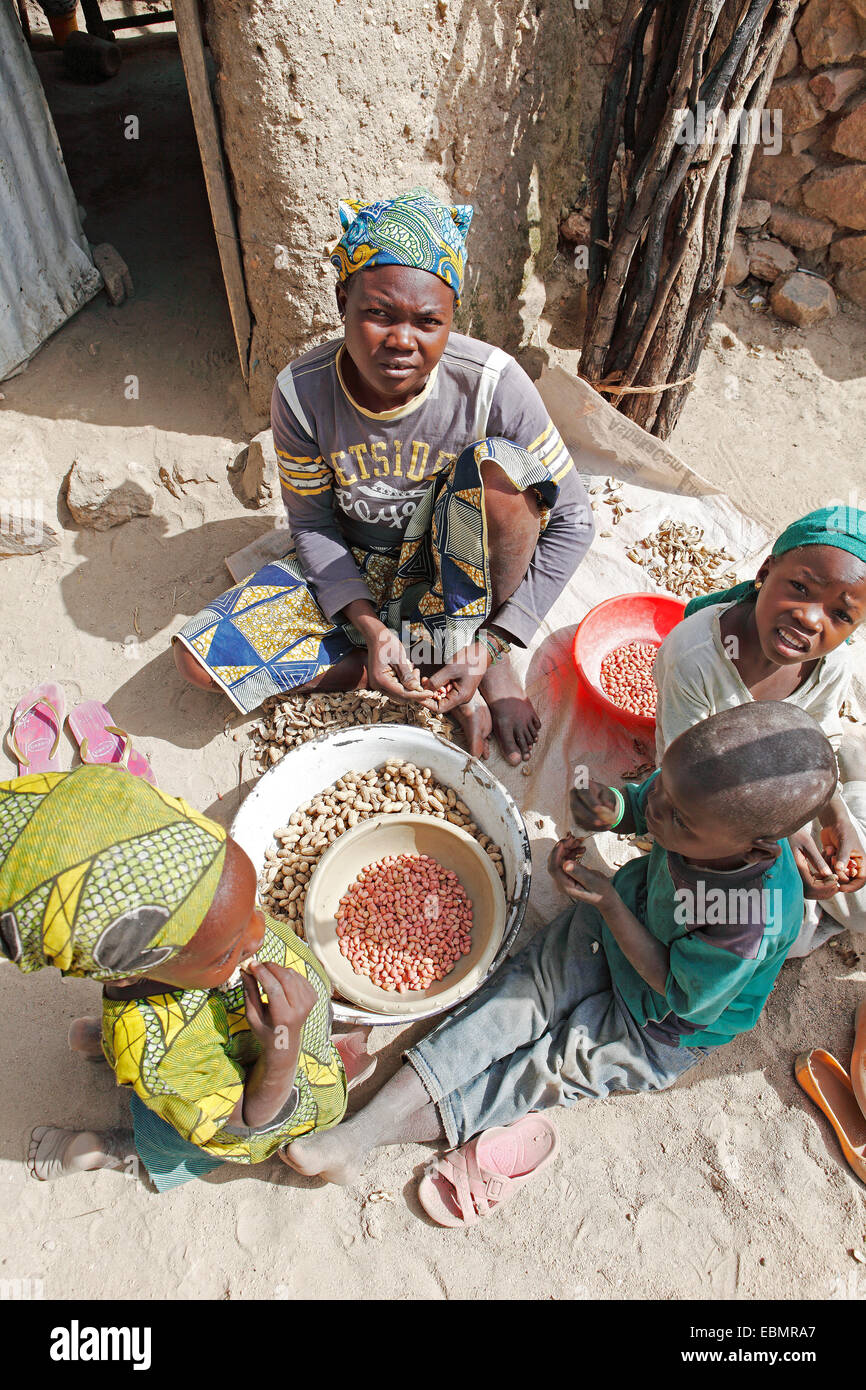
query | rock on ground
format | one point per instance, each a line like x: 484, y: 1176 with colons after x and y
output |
x: 254, y: 474
x: 849, y: 251
x: 738, y: 265
x: 852, y: 283
x: 754, y: 212
x: 828, y: 32
x: 850, y: 136
x: 799, y: 229
x: 834, y: 86
x: 102, y: 493
x: 802, y: 299
x: 114, y: 271
x: 839, y: 194
x: 768, y: 259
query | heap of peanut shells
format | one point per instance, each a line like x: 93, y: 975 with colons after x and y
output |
x: 675, y: 555
x: 678, y: 559
x: 395, y: 787
x: 286, y: 723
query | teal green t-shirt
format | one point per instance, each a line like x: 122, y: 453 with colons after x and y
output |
x: 728, y: 935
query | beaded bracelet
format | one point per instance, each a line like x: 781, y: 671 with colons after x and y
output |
x: 496, y: 647
x: 620, y: 807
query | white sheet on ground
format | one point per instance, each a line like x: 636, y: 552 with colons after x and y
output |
x: 658, y: 486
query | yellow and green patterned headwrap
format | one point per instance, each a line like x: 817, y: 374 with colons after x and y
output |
x: 101, y: 874
x: 413, y: 229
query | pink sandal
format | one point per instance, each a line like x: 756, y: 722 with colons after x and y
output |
x: 481, y: 1176
x: 37, y: 721
x: 100, y: 741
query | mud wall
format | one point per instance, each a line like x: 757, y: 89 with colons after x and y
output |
x: 479, y: 101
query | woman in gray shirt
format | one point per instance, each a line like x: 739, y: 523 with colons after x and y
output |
x: 435, y: 511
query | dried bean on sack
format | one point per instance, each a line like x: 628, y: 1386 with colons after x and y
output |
x: 627, y: 677
x: 405, y: 922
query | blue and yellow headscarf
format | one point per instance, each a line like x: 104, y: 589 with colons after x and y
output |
x: 842, y: 527
x: 101, y: 874
x: 413, y: 229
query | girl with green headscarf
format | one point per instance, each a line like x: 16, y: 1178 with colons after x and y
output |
x: 786, y: 636
x: 216, y: 1016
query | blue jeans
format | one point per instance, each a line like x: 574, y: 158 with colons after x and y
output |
x: 549, y: 1029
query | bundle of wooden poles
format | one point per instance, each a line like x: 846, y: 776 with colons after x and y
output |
x: 679, y: 119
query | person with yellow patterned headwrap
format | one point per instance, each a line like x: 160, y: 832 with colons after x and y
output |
x: 109, y: 878
x: 435, y: 510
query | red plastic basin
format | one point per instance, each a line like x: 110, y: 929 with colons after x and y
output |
x: 626, y: 618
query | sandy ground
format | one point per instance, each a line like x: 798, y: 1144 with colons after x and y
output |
x: 730, y: 1185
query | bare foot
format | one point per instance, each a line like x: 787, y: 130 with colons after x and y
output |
x: 515, y: 722
x: 55, y: 1153
x: 85, y: 1036
x: 477, y: 724
x: 330, y: 1154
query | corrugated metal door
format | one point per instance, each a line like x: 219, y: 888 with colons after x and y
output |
x: 46, y: 273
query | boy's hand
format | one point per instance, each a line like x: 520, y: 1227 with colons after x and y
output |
x: 574, y: 879
x: 593, y: 807
x: 845, y: 854
x: 278, y: 1023
x: 819, y: 880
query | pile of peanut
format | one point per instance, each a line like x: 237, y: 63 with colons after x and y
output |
x: 295, y: 719
x: 680, y: 561
x: 395, y: 787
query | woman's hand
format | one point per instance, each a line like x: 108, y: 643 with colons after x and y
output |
x: 819, y: 880
x: 390, y: 670
x: 291, y: 998
x: 456, y: 683
x: 845, y: 854
x: 593, y: 807
x: 572, y: 878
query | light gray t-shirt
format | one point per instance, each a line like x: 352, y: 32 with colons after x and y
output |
x: 695, y: 678
x: 350, y: 476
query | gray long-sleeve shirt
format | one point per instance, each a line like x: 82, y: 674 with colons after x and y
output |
x: 352, y: 477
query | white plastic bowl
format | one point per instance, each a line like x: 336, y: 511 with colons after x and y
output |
x: 305, y: 771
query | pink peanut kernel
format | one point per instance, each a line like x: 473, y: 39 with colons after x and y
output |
x: 627, y: 677
x: 405, y: 922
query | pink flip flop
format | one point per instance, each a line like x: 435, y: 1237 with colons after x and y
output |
x: 37, y: 721
x: 100, y: 741
x: 481, y: 1176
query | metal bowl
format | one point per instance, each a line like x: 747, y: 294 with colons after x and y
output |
x: 305, y: 771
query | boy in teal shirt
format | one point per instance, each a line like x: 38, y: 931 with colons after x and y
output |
x: 748, y: 913
x: 628, y: 989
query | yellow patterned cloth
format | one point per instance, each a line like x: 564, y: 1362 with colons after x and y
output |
x: 414, y: 229
x: 101, y: 874
x: 186, y: 1054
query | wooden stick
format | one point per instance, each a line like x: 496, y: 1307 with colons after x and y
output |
x: 191, y: 41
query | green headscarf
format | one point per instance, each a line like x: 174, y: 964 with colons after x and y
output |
x: 101, y: 874
x: 843, y: 527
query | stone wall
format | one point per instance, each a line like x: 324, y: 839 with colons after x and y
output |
x: 808, y: 200
x: 479, y: 101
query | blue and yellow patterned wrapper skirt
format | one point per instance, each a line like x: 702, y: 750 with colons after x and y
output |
x: 268, y: 635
